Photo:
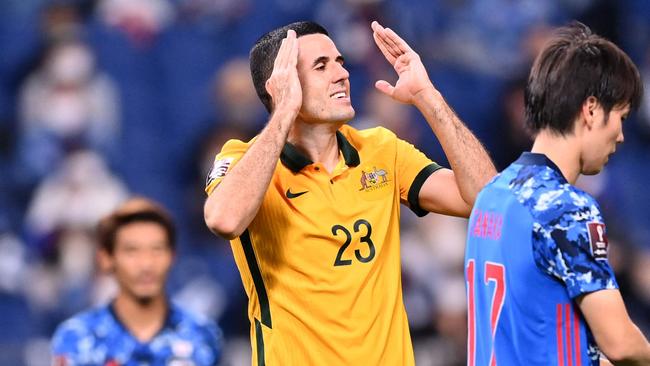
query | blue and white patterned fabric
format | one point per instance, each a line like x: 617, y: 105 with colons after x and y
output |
x: 535, y: 243
x: 97, y: 337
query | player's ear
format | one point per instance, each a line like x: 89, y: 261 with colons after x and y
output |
x: 105, y: 261
x: 268, y: 93
x: 588, y: 111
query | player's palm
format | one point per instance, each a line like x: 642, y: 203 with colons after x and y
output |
x: 284, y: 85
x: 413, y: 78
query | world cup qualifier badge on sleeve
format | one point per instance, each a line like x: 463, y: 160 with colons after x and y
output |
x: 219, y: 169
x: 598, y: 240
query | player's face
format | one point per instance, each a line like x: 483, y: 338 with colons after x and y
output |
x: 602, y: 139
x: 141, y: 259
x: 325, y: 82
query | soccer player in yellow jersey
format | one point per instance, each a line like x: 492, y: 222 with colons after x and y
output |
x: 312, y: 206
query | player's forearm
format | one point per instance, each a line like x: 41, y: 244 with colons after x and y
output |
x: 235, y: 201
x: 469, y: 160
x: 632, y: 349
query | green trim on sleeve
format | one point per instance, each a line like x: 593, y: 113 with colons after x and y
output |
x: 414, y: 191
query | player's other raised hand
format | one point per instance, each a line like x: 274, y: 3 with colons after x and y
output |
x: 413, y: 77
x: 284, y: 84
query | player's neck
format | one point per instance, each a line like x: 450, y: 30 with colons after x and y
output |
x: 317, y: 141
x: 143, y: 319
x: 564, y: 151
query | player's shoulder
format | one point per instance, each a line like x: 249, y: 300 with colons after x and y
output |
x: 560, y: 210
x: 565, y: 203
x: 544, y: 190
x: 235, y: 145
x: 374, y: 135
x: 82, y: 325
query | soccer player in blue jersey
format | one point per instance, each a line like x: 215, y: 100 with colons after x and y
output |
x: 539, y: 285
x: 140, y: 326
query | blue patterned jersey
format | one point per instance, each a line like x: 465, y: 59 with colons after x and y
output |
x: 98, y: 338
x: 534, y: 244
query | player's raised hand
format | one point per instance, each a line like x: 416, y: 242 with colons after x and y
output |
x: 283, y: 85
x: 413, y: 77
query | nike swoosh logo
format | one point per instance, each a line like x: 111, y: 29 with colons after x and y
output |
x: 291, y: 195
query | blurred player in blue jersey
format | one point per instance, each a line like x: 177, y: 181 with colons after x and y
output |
x: 140, y: 326
x: 539, y: 285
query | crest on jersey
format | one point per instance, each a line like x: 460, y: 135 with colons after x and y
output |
x: 598, y: 240
x: 219, y: 170
x: 372, y: 179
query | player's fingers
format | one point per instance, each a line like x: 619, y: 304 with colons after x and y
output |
x: 292, y: 57
x: 389, y: 38
x: 397, y: 41
x: 289, y: 42
x: 382, y: 38
x: 389, y: 56
x: 385, y: 87
x: 281, y: 56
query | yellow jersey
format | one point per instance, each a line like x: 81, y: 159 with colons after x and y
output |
x: 320, y: 262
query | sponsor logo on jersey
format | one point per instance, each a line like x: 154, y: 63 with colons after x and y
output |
x: 598, y: 240
x: 291, y: 195
x: 373, y: 179
x: 219, y: 170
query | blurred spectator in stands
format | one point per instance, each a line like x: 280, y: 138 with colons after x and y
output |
x: 434, y: 287
x: 644, y: 112
x: 236, y: 102
x: 347, y: 21
x: 221, y: 12
x: 74, y: 196
x: 512, y: 137
x: 63, y: 19
x: 59, y: 228
x: 379, y: 110
x: 18, y: 322
x: 488, y: 36
x: 65, y: 105
x: 140, y: 20
x: 639, y: 273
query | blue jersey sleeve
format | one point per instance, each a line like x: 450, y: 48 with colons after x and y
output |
x: 570, y: 242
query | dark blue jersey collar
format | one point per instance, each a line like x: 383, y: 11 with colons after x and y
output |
x: 529, y: 158
x: 171, y: 319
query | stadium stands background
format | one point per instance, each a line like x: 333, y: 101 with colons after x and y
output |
x: 104, y: 99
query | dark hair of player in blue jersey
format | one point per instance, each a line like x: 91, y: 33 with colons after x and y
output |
x: 262, y: 55
x: 134, y: 210
x: 574, y: 65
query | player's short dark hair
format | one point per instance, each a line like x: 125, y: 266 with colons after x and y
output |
x: 262, y: 55
x: 134, y: 210
x: 573, y: 66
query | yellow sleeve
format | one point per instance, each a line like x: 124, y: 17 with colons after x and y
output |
x: 230, y: 154
x: 413, y: 169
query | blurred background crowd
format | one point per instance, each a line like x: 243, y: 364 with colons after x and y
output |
x: 104, y: 99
